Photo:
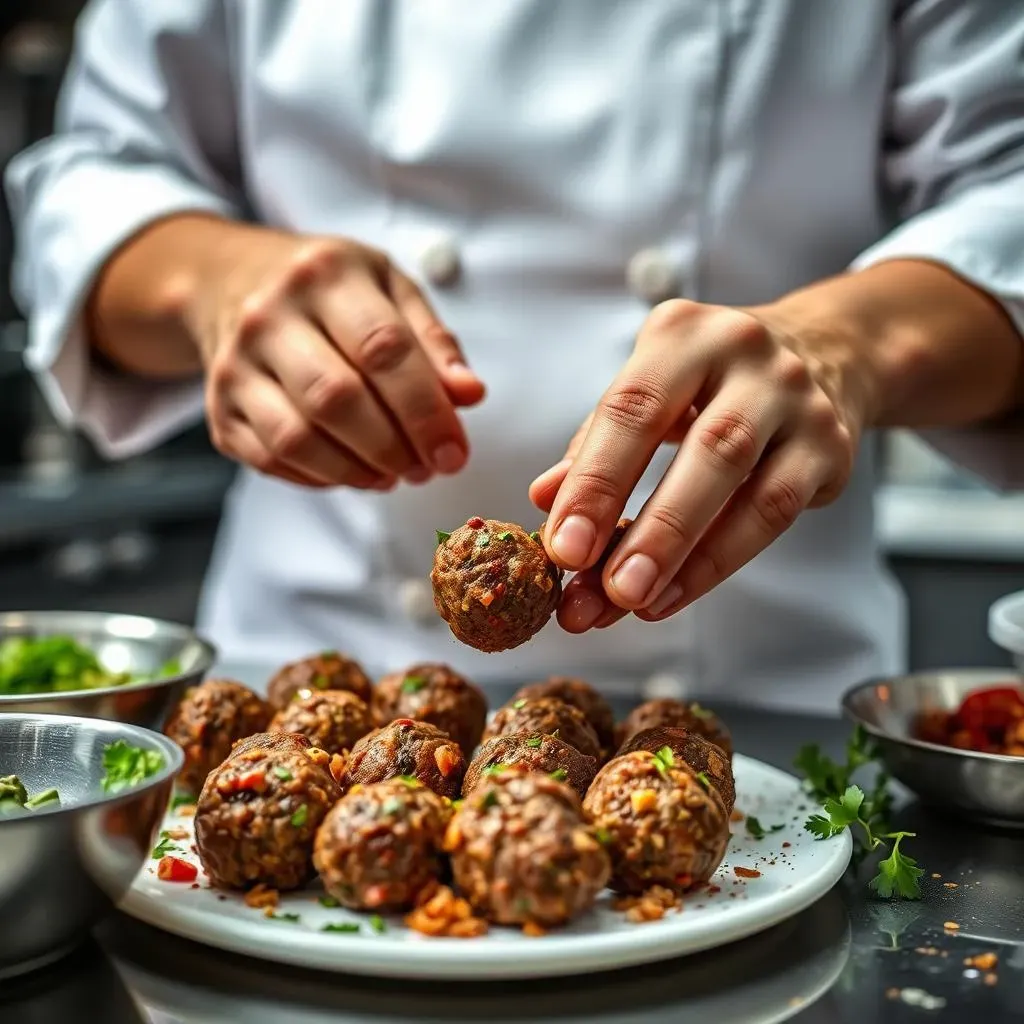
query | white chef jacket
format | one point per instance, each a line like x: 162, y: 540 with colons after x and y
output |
x: 548, y: 170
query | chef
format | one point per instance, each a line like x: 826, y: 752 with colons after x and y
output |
x: 419, y: 261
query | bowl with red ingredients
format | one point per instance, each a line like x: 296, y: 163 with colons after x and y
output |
x: 954, y: 737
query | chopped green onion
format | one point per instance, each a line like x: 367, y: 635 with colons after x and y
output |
x: 702, y: 778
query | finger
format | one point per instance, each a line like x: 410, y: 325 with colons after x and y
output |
x: 330, y: 393
x: 442, y: 347
x: 630, y: 422
x: 295, y: 443
x: 716, y: 456
x: 767, y: 504
x: 584, y: 604
x: 378, y: 342
x: 242, y: 444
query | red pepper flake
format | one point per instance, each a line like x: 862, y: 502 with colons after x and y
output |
x: 403, y: 723
x: 174, y: 869
x: 786, y: 845
x: 742, y: 872
x: 476, y: 523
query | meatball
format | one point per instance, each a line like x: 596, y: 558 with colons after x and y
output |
x: 208, y: 720
x: 664, y: 825
x: 581, y: 695
x: 409, y: 749
x: 676, y: 714
x: 522, y: 851
x: 380, y: 846
x: 333, y: 720
x: 531, y: 752
x: 494, y: 584
x: 698, y: 754
x: 257, y: 817
x: 436, y: 694
x: 550, y: 717
x: 327, y: 671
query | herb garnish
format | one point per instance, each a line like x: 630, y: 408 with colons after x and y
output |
x: 378, y: 924
x: 125, y: 766
x: 757, y: 830
x: 287, y: 918
x: 505, y: 535
x: 300, y: 817
x: 328, y: 901
x: 345, y: 927
x: 483, y: 539
x: 282, y: 773
x: 181, y: 800
x: 559, y: 775
x: 535, y: 536
x: 494, y: 769
x: 534, y: 742
x: 602, y: 835
x: 489, y: 800
x: 845, y: 805
x: 441, y: 537
x: 410, y: 780
x: 43, y: 799
x: 699, y: 711
x: 413, y: 684
x: 663, y: 760
x: 519, y: 704
x: 164, y: 847
x: 702, y: 778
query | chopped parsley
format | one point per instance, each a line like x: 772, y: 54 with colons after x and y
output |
x: 534, y: 742
x: 559, y: 775
x: 519, y: 704
x: 495, y: 769
x: 344, y: 927
x: 165, y: 846
x: 757, y: 830
x: 125, y: 766
x: 181, y: 800
x: 441, y: 537
x: 287, y: 918
x: 413, y: 684
x: 282, y: 773
x: 378, y: 924
x: 702, y: 778
x: 505, y: 535
x: 663, y: 760
x: 301, y: 816
x: 602, y: 835
x: 328, y: 901
x: 489, y: 800
x: 535, y: 536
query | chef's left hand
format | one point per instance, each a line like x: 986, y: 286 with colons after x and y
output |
x: 767, y: 413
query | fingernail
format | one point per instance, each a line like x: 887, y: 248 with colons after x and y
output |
x: 582, y: 610
x: 635, y: 577
x: 419, y: 475
x: 669, y: 596
x: 448, y: 458
x: 574, y: 539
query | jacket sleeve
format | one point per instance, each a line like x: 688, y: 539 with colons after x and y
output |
x: 954, y: 164
x: 145, y: 128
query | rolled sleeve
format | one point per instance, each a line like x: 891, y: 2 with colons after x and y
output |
x: 954, y: 167
x: 132, y: 146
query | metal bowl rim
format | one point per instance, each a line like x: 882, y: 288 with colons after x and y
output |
x: 909, y: 741
x: 208, y: 656
x: 174, y: 758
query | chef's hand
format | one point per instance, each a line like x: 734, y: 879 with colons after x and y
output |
x: 767, y: 420
x: 325, y: 365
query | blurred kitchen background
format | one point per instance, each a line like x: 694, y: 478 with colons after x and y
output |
x: 136, y: 536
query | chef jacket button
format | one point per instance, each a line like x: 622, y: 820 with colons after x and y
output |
x: 652, y: 276
x: 417, y: 597
x: 439, y: 262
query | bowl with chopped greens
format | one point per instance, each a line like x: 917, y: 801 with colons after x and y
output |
x: 124, y: 668
x: 81, y: 801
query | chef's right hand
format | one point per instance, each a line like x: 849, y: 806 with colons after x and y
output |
x: 325, y: 364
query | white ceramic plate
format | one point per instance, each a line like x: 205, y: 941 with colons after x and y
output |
x: 795, y: 871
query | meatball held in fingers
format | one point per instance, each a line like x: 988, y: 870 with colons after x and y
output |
x: 522, y: 852
x: 379, y: 847
x: 409, y: 749
x: 664, y: 825
x: 330, y: 670
x: 334, y: 720
x: 531, y: 752
x: 677, y: 714
x: 208, y: 720
x: 257, y: 817
x: 494, y: 584
x: 597, y: 711
x: 547, y: 716
x: 698, y: 754
x: 436, y: 694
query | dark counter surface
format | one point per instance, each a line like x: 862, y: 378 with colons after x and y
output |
x: 850, y: 958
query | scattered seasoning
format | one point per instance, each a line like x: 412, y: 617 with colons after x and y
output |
x: 786, y: 845
x: 328, y: 901
x: 534, y: 741
x: 261, y: 897
x: 742, y: 872
x: 413, y: 684
x: 344, y: 927
x: 377, y: 924
x: 286, y: 918
x: 702, y: 778
x: 441, y: 537
x: 949, y: 885
x: 300, y: 817
x: 518, y: 704
x: 392, y: 806
x: 505, y: 535
x: 559, y: 775
x: 283, y: 774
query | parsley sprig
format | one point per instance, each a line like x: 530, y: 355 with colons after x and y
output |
x: 846, y: 805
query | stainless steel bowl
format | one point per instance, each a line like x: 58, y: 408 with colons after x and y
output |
x: 129, y: 643
x: 62, y: 868
x: 983, y: 787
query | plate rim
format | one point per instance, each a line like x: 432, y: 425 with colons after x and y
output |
x: 459, y: 959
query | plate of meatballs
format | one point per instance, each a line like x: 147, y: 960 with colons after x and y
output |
x: 401, y: 829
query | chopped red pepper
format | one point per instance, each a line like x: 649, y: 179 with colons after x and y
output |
x: 403, y: 722
x: 992, y: 709
x: 174, y: 869
x: 476, y: 523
